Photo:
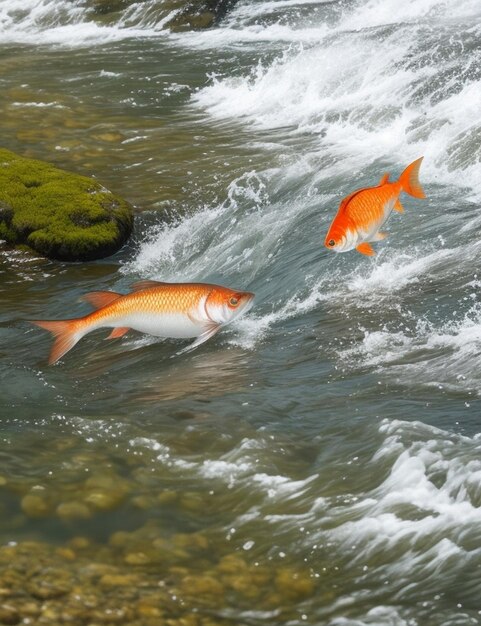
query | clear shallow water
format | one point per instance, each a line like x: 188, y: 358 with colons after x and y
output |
x: 334, y: 430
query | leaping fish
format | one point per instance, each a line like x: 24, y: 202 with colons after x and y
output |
x: 176, y: 310
x: 363, y: 212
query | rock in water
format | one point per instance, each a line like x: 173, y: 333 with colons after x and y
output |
x: 186, y: 14
x: 61, y: 215
x: 197, y: 14
x: 103, y: 7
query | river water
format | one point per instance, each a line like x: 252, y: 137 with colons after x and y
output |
x: 331, y: 438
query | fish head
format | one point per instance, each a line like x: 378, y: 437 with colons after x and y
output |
x: 342, y: 236
x: 224, y: 305
x: 336, y: 239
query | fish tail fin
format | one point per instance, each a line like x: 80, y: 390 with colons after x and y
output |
x: 409, y: 179
x: 66, y: 333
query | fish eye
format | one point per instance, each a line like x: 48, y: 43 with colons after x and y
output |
x: 331, y: 242
x: 234, y: 301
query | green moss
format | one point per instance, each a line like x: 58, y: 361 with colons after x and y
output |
x: 7, y: 234
x: 59, y: 214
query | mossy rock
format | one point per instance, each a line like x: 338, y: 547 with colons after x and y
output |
x: 189, y: 14
x: 197, y: 14
x: 61, y: 215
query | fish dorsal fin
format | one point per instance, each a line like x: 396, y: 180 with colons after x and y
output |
x: 345, y: 201
x: 99, y: 299
x: 365, y: 248
x: 147, y: 284
x: 384, y: 180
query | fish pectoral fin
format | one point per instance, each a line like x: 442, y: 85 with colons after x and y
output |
x: 365, y: 248
x: 398, y: 207
x: 379, y: 236
x: 99, y: 299
x: 118, y: 332
x: 147, y: 284
x: 384, y: 180
x: 210, y: 331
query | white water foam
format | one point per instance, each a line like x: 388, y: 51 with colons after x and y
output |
x: 70, y: 23
x: 225, y: 240
x: 237, y: 468
x: 424, y: 495
x: 354, y: 85
x: 415, y: 521
x: 238, y: 237
x: 446, y: 355
x: 418, y: 516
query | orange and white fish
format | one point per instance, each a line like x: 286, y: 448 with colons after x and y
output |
x: 362, y: 213
x: 177, y: 310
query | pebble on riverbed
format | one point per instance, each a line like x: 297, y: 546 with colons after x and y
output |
x: 149, y: 576
x: 73, y: 510
x: 136, y: 580
x: 38, y: 584
x: 35, y: 505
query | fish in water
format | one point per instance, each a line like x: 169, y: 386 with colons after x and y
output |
x: 363, y: 212
x: 177, y: 310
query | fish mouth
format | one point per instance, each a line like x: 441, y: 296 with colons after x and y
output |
x: 338, y: 247
x: 248, y: 301
x: 245, y: 305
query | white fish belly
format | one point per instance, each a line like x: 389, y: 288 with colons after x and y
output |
x: 371, y: 234
x: 388, y: 209
x: 174, y: 325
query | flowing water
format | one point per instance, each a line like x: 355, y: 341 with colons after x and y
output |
x: 331, y: 438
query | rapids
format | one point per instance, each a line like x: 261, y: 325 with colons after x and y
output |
x: 334, y: 430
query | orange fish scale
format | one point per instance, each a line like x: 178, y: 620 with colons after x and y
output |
x: 163, y: 299
x: 368, y: 206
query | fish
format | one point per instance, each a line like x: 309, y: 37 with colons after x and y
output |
x: 170, y: 310
x: 362, y: 214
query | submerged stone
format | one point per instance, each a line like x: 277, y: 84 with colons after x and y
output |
x: 137, y: 558
x: 34, y: 505
x: 110, y: 137
x: 50, y: 584
x: 150, y: 608
x: 66, y: 553
x: 109, y: 6
x: 61, y: 215
x: 203, y: 586
x: 73, y: 510
x: 104, y: 500
x: 80, y: 543
x: 294, y: 585
x: 187, y: 14
x: 197, y: 14
x: 39, y: 585
x: 119, y: 580
x: 9, y: 614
